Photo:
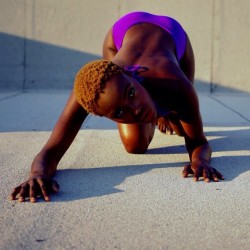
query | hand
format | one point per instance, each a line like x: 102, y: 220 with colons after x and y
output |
x: 199, y: 168
x: 34, y: 188
x: 164, y: 125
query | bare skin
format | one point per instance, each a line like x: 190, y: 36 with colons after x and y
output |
x: 167, y: 86
x: 44, y: 165
x: 170, y: 85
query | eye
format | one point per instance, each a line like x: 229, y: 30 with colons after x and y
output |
x: 131, y: 93
x: 118, y: 113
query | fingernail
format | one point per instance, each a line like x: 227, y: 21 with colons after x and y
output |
x: 21, y: 199
x: 32, y: 199
x: 47, y: 198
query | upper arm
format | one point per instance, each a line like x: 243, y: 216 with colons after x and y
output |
x: 191, y: 120
x: 109, y: 50
x: 186, y: 102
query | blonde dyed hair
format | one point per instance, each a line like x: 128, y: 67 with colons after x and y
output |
x: 91, y: 80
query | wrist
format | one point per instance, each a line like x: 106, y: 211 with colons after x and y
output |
x: 43, y: 165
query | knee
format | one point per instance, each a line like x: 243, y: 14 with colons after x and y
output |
x: 138, y: 147
x: 136, y: 137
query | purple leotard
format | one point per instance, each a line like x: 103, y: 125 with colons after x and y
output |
x: 167, y: 23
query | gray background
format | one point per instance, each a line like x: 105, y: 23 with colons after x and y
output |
x: 44, y: 43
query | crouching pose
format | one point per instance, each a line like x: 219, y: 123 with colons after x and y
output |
x: 144, y: 79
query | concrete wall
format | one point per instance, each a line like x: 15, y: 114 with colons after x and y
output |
x: 44, y: 42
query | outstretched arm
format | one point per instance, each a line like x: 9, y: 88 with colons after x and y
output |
x: 196, y: 143
x: 185, y: 120
x: 45, y: 163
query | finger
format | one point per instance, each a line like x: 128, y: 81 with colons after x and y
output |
x: 213, y: 175
x: 163, y: 128
x: 218, y: 174
x: 15, y: 192
x: 206, y: 175
x: 23, y: 193
x: 170, y: 130
x: 33, y: 191
x: 43, y: 187
x: 197, y: 174
x: 196, y: 178
x: 55, y: 186
x: 215, y: 178
x: 159, y: 127
x: 186, y: 171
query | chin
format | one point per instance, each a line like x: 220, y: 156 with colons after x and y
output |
x: 151, y: 120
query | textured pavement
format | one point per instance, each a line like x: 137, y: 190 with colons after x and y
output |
x: 110, y: 199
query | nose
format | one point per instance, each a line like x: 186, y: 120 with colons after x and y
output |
x: 136, y: 110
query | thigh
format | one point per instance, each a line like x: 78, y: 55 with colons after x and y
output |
x: 136, y: 137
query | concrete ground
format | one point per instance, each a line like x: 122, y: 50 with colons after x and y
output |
x: 110, y: 199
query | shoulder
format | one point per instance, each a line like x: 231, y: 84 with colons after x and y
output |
x: 109, y: 49
x: 172, y: 86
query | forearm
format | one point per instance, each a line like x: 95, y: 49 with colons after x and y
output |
x: 45, y: 163
x: 60, y: 140
x: 62, y: 136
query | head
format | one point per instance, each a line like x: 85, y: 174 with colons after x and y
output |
x: 106, y: 89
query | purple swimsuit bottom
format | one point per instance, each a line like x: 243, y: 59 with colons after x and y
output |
x: 167, y: 23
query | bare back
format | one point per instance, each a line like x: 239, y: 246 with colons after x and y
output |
x: 151, y: 46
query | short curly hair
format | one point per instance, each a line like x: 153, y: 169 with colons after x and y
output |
x: 91, y: 80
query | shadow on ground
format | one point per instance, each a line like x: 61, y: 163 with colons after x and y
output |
x: 94, y: 182
x: 230, y: 158
x: 86, y: 183
x: 226, y: 139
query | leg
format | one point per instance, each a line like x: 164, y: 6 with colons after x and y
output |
x: 136, y: 137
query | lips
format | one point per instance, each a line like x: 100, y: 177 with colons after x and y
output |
x: 147, y: 115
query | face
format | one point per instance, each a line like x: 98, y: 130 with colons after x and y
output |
x: 125, y: 100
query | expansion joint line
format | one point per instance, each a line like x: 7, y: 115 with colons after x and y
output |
x: 233, y: 110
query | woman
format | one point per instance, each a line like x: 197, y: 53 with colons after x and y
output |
x: 145, y: 77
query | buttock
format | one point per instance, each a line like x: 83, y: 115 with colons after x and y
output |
x: 167, y: 23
